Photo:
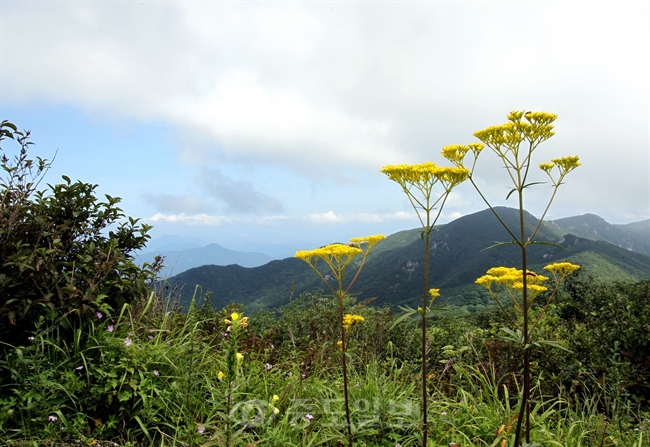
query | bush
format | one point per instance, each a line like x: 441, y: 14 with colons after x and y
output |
x: 64, y: 255
x: 607, y: 327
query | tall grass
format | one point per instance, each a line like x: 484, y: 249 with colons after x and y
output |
x: 154, y: 380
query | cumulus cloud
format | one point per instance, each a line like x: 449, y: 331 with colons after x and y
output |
x: 329, y: 217
x: 238, y: 195
x: 329, y: 89
x: 171, y: 203
x: 215, y: 220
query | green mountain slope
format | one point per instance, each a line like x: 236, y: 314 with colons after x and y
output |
x: 633, y: 237
x: 393, y: 273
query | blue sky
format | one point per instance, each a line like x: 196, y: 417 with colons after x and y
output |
x: 263, y: 126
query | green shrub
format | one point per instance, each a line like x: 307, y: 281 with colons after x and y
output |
x: 64, y: 254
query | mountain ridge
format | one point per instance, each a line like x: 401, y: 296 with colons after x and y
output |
x: 393, y: 273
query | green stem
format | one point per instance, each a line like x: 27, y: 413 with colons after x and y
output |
x: 523, y: 409
x: 494, y: 212
x: 345, y: 369
x: 425, y: 425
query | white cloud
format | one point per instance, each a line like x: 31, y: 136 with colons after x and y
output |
x: 329, y: 217
x: 332, y: 90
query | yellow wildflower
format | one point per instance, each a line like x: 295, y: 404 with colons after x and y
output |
x: 239, y: 357
x: 276, y: 410
x: 220, y: 375
x: 567, y: 164
x: 275, y: 398
x: 336, y: 256
x: 425, y: 175
x: 367, y: 242
x: 561, y: 269
x: 235, y: 316
x: 533, y: 289
x: 546, y: 167
x: 435, y: 293
x: 340, y: 344
x: 507, y: 137
x: 349, y: 320
x: 455, y: 153
x: 486, y: 281
x: 511, y: 278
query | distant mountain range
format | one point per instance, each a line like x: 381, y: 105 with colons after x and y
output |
x: 178, y: 261
x: 633, y: 237
x: 393, y: 273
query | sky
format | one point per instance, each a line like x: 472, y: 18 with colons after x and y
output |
x: 263, y: 126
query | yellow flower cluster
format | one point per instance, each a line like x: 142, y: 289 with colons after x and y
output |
x: 350, y: 319
x: 456, y: 152
x: 337, y: 252
x: 425, y: 175
x: 435, y: 293
x: 366, y: 243
x: 336, y: 256
x: 537, y: 127
x: 561, y: 269
x: 512, y: 279
x: 339, y: 256
x: 564, y: 164
x: 237, y: 320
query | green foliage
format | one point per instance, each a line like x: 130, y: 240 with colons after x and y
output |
x: 607, y: 328
x: 163, y: 388
x: 64, y: 254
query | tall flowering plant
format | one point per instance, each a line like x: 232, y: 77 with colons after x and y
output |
x: 514, y: 143
x: 418, y: 183
x: 338, y: 257
x: 235, y: 325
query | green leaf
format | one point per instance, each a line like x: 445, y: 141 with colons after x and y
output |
x: 510, y: 193
x: 552, y: 244
x: 499, y: 244
x: 553, y: 344
x: 408, y: 313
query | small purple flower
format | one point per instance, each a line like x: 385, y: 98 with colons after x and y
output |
x: 303, y: 375
x: 110, y: 328
x: 309, y: 416
x: 572, y: 420
x: 155, y: 372
x: 128, y: 341
x: 52, y: 418
x: 30, y: 338
x: 269, y: 366
x: 356, y: 384
x: 444, y: 413
x: 272, y: 346
x: 201, y: 429
x: 100, y: 315
x: 151, y: 331
x: 289, y: 374
x: 79, y: 368
x: 398, y: 445
x: 150, y: 337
